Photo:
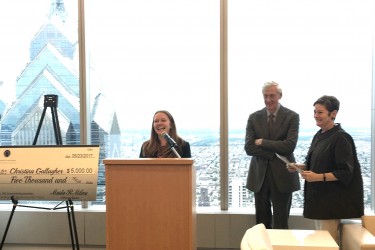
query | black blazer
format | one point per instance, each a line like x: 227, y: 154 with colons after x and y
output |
x: 284, y: 142
x: 183, y: 150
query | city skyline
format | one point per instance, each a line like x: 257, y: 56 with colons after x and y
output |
x: 205, y: 152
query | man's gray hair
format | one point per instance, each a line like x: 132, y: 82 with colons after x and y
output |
x: 270, y: 84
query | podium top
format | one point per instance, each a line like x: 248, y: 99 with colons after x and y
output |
x: 149, y: 161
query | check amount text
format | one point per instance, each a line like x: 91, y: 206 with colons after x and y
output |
x: 79, y: 171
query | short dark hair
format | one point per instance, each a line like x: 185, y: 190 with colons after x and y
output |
x: 330, y: 102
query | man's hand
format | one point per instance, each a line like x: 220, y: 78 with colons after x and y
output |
x: 258, y: 142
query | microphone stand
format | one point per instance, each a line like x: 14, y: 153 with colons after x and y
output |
x: 171, y: 143
x: 175, y: 151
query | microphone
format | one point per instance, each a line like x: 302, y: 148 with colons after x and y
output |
x: 169, y: 139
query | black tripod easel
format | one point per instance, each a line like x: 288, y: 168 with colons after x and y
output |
x: 50, y: 101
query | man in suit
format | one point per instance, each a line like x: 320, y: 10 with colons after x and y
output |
x: 268, y: 176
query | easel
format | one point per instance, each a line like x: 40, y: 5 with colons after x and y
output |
x: 50, y: 101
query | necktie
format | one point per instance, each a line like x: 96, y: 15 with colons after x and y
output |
x: 271, y: 124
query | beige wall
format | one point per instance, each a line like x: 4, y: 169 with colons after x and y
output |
x: 36, y: 226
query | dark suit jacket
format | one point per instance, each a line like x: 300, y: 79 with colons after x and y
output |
x: 284, y: 142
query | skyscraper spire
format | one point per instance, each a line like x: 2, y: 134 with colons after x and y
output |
x: 57, y: 9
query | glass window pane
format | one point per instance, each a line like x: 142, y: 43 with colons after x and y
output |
x: 149, y: 55
x: 39, y: 57
x: 311, y: 48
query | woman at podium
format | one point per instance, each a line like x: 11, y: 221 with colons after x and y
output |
x: 164, y: 141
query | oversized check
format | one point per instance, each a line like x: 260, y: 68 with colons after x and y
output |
x: 63, y: 172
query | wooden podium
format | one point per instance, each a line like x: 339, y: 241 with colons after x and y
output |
x: 150, y: 204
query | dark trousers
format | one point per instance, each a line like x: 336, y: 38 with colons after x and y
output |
x: 269, y: 199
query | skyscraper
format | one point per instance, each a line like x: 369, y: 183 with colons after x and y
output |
x: 53, y: 69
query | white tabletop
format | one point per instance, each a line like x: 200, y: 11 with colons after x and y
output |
x: 301, y: 239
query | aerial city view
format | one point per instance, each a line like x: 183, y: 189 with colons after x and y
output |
x: 205, y: 151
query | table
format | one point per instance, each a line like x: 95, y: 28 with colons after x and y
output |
x: 290, y: 239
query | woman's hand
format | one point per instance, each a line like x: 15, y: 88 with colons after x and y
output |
x: 293, y: 167
x: 310, y: 176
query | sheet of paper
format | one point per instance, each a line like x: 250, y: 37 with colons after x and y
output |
x: 284, y: 159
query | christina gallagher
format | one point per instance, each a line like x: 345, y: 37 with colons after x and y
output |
x: 45, y: 171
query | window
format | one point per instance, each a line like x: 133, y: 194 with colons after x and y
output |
x: 39, y: 56
x: 312, y: 48
x: 149, y: 55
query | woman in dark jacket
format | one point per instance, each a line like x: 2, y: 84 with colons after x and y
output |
x: 333, y: 181
x: 163, y: 128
